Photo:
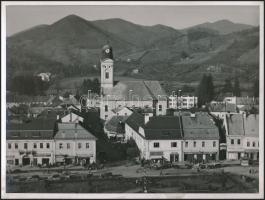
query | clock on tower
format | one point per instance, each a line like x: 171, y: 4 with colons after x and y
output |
x: 106, y: 61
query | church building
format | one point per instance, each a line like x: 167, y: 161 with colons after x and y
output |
x: 129, y: 93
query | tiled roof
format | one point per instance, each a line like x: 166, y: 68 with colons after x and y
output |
x: 135, y: 120
x: 116, y: 124
x: 25, y: 98
x: 246, y: 101
x: 235, y: 124
x: 73, y: 131
x: 251, y: 123
x: 222, y: 107
x: 201, y: 126
x: 163, y: 128
x: 126, y: 90
x: 36, y: 129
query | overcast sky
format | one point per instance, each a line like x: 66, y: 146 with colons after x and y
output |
x: 23, y: 17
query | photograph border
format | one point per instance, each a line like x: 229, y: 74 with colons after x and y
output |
x: 4, y: 5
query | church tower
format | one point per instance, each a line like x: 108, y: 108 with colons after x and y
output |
x: 106, y: 66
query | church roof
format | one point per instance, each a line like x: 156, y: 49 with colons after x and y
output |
x: 134, y: 90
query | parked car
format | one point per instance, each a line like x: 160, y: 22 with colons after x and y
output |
x: 75, y: 177
x: 55, y: 177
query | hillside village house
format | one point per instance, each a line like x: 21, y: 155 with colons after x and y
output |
x: 31, y: 143
x: 74, y: 144
x: 201, y: 137
x: 242, y: 136
x: 182, y: 102
x: 131, y: 94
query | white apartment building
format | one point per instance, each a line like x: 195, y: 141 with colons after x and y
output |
x: 182, y: 102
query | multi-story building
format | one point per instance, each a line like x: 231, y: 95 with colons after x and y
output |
x: 156, y: 137
x: 31, y: 143
x: 182, y: 102
x: 175, y: 138
x: 242, y: 136
x: 201, y: 137
x: 74, y: 144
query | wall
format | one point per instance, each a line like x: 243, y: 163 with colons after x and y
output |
x: 13, y: 153
x: 74, y: 150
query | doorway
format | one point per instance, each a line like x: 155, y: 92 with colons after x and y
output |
x: 25, y: 161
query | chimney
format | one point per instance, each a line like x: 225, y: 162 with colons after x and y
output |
x: 154, y: 106
x: 147, y: 117
x: 75, y: 127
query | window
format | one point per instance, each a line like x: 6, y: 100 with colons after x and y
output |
x: 160, y: 108
x: 34, y: 145
x: 79, y: 145
x: 238, y: 141
x: 186, y: 144
x: 156, y: 144
x: 232, y: 141
x: 194, y: 144
x: 248, y: 144
x: 253, y: 144
x: 173, y: 144
x: 60, y: 145
x: 47, y: 145
x: 106, y: 108
x: 25, y: 145
x: 203, y: 144
x: 106, y: 116
x: 214, y: 144
x: 87, y: 145
x: 9, y: 145
x: 68, y: 145
x: 107, y: 75
x: 16, y: 145
x: 41, y: 145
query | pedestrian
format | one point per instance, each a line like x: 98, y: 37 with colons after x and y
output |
x: 161, y: 172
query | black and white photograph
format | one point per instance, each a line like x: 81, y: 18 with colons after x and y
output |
x: 136, y: 99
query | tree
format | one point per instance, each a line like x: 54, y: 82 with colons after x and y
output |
x: 236, y: 88
x: 228, y: 86
x: 210, y: 88
x: 205, y: 90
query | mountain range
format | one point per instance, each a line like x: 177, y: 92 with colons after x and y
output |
x: 222, y: 48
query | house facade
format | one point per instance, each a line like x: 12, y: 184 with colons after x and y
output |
x: 201, y: 137
x: 31, y: 143
x: 242, y: 136
x: 74, y: 144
